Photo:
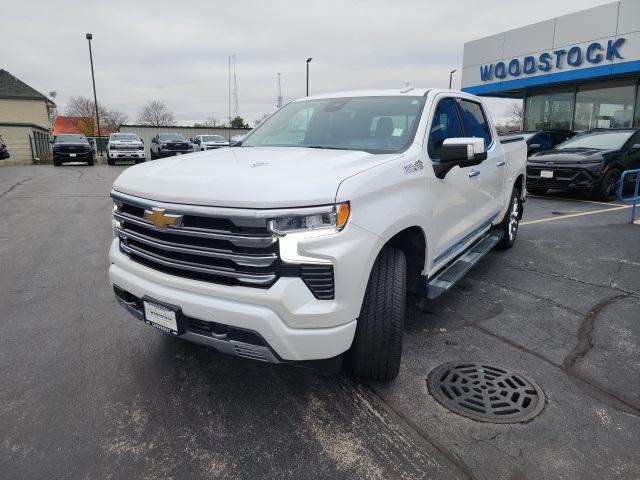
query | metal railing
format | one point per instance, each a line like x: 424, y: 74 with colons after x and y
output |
x: 636, y: 189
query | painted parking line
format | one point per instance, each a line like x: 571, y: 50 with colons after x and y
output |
x: 609, y: 204
x: 573, y: 215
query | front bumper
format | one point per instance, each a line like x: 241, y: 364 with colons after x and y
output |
x: 78, y: 157
x: 126, y: 154
x: 294, y: 325
x: 565, y: 176
x: 171, y: 153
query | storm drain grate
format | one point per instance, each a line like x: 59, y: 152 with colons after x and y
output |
x: 486, y: 393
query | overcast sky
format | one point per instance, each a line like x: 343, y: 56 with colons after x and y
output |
x: 177, y: 51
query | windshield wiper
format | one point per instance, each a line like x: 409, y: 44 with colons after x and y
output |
x: 321, y: 147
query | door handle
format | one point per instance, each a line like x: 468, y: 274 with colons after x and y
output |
x: 501, y: 163
x: 474, y: 173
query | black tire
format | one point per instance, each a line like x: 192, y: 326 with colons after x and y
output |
x: 377, y: 346
x: 111, y: 161
x: 509, y: 224
x: 57, y: 163
x: 140, y: 160
x: 537, y: 190
x: 90, y: 162
x: 608, y: 188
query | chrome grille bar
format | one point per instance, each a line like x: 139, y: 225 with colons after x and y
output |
x: 238, y: 259
x: 254, y: 279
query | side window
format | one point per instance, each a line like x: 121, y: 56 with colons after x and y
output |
x: 474, y: 121
x: 445, y: 124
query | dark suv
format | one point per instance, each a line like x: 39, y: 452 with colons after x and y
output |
x: 592, y: 162
x: 72, y: 148
x: 169, y: 144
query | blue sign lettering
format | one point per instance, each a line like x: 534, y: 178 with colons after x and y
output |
x: 591, y: 58
x: 572, y: 57
x: 545, y: 62
x: 514, y: 67
x: 612, y: 48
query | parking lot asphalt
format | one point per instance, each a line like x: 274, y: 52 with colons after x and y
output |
x: 88, y: 392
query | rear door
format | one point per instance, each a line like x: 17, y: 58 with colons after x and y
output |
x: 489, y: 176
x: 453, y: 197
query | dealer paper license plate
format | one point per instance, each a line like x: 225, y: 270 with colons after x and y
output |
x: 162, y: 318
x: 546, y: 173
x: 72, y: 155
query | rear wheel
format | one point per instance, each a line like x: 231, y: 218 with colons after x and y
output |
x: 511, y: 221
x: 377, y: 345
x: 537, y: 190
x: 608, y: 188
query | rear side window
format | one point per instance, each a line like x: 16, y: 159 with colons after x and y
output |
x: 445, y: 124
x: 474, y: 121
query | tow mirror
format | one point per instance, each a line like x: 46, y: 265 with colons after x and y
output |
x: 462, y: 152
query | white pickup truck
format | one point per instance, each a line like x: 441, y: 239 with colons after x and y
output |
x: 300, y: 244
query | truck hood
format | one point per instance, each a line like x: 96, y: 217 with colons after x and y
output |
x: 248, y: 177
x: 568, y: 155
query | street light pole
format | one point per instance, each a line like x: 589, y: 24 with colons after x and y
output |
x: 95, y: 97
x: 451, y: 77
x: 308, y: 61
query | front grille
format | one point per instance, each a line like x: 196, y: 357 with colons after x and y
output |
x: 71, y: 149
x: 177, y: 146
x: 207, y: 248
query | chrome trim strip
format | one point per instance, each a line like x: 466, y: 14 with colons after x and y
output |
x: 238, y: 259
x: 248, y: 278
x: 239, y: 216
x: 238, y: 240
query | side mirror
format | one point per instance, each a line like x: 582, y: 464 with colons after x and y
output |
x: 462, y: 152
x: 635, y: 146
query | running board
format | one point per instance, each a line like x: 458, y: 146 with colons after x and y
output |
x: 448, y: 277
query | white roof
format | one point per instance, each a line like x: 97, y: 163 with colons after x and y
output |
x: 414, y: 92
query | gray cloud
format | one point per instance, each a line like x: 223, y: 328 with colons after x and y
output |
x: 177, y: 51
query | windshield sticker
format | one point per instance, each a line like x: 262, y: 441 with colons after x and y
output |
x: 413, y: 167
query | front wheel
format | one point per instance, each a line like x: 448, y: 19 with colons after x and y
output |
x: 377, y: 346
x: 511, y: 221
x: 608, y: 189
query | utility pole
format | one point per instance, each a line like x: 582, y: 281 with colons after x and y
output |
x: 308, y: 62
x: 236, y: 111
x: 279, y: 102
x: 95, y: 97
x: 229, y: 91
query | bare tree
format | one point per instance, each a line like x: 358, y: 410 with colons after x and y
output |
x: 514, y: 113
x: 156, y: 114
x: 210, y: 122
x: 260, y: 119
x: 85, y: 110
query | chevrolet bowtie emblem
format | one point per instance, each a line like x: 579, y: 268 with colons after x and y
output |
x: 162, y: 220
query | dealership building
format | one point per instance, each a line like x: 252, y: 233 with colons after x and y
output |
x: 577, y: 71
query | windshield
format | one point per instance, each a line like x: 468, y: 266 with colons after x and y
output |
x: 125, y: 136
x: 171, y: 137
x: 71, y: 139
x: 213, y: 138
x: 599, y: 140
x: 370, y: 124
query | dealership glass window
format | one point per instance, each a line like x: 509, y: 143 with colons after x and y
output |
x: 604, y: 105
x: 548, y: 110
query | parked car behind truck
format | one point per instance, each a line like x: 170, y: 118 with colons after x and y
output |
x: 169, y: 144
x: 591, y: 162
x: 71, y: 148
x: 301, y: 244
x: 208, y: 142
x: 125, y: 147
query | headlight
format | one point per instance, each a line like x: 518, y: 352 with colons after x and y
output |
x: 115, y: 224
x: 112, y: 147
x: 163, y: 145
x: 333, y: 217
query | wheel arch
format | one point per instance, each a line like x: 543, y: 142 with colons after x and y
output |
x: 413, y: 242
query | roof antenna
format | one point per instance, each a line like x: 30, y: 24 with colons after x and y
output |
x: 406, y: 87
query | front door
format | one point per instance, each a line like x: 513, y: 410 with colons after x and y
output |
x: 489, y: 176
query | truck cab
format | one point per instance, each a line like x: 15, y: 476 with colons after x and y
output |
x: 300, y: 244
